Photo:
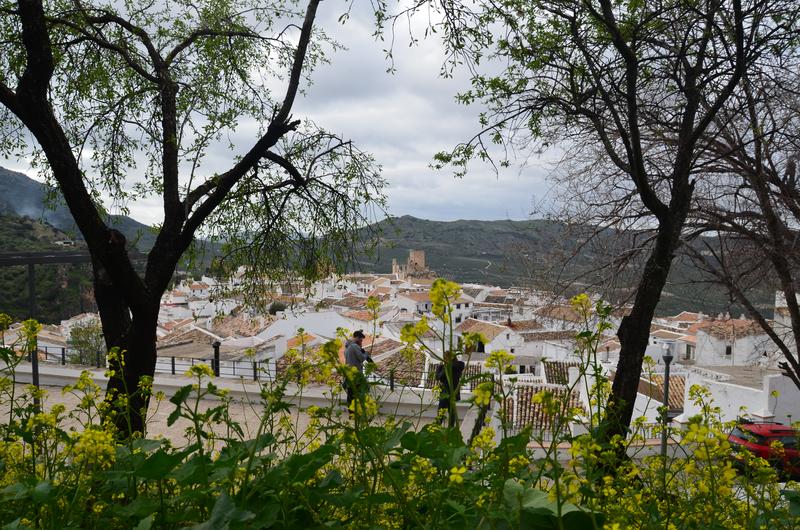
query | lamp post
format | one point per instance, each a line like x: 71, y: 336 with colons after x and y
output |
x: 665, y: 416
x: 216, y: 344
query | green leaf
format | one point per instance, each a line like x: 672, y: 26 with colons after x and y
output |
x: 458, y: 507
x: 14, y: 492
x: 177, y: 399
x: 146, y: 523
x: 348, y: 498
x: 141, y: 506
x: 794, y: 501
x: 223, y: 514
x: 158, y: 465
x: 512, y: 494
x: 194, y: 470
x: 42, y: 492
x: 302, y: 467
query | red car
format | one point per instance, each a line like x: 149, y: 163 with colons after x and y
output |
x: 758, y: 439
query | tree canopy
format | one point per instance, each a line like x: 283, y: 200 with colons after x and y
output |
x: 130, y: 102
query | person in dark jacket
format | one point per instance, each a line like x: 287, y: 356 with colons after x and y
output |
x: 444, y: 384
x: 355, y: 355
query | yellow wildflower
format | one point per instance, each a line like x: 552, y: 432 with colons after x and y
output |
x: 199, y: 370
x: 94, y: 447
x: 457, y: 474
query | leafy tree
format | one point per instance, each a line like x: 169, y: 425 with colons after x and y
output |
x: 129, y: 100
x: 86, y: 343
x: 751, y: 204
x: 635, y: 84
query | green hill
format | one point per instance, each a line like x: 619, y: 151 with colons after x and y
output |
x: 544, y: 254
x: 538, y: 253
x: 63, y: 290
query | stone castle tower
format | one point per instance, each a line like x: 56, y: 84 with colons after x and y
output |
x: 414, y: 267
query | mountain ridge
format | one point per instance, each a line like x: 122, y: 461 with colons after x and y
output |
x: 504, y: 252
x: 37, y: 200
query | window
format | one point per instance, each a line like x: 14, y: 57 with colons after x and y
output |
x: 508, y: 336
x: 458, y: 306
x: 728, y: 350
x: 688, y: 351
x: 458, y: 319
x: 481, y: 347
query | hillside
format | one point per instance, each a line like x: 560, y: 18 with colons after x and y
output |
x: 22, y: 196
x: 537, y: 253
x: 62, y: 290
x: 534, y: 253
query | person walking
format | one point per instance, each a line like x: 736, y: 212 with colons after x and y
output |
x: 355, y: 355
x: 445, y: 393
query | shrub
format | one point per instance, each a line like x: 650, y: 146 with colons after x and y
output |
x: 66, y: 468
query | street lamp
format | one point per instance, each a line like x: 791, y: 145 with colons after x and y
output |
x: 667, y: 357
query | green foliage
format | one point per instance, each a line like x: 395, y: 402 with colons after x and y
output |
x: 65, y: 469
x: 86, y: 343
x: 61, y: 289
x: 144, y: 93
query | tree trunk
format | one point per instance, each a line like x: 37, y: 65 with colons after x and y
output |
x: 136, y: 359
x: 134, y: 337
x: 634, y: 332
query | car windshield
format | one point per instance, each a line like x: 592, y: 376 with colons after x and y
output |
x: 747, y: 436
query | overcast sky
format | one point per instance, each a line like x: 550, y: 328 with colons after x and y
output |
x: 402, y: 119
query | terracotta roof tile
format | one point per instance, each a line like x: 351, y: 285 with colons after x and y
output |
x: 359, y: 314
x: 297, y: 341
x: 524, y: 412
x: 495, y: 299
x: 350, y: 302
x: 730, y: 329
x: 407, y: 366
x: 666, y: 334
x: 470, y: 378
x: 417, y: 296
x: 525, y: 325
x: 654, y: 388
x: 557, y: 372
x: 487, y: 329
x: 687, y: 316
x: 560, y: 312
x: 472, y: 292
x: 536, y: 336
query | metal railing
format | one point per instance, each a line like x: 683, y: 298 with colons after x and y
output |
x: 426, y: 378
x: 254, y: 370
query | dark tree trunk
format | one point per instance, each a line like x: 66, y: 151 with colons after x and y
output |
x: 136, y: 359
x: 634, y: 331
x: 134, y: 338
x: 115, y: 315
x: 129, y: 322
